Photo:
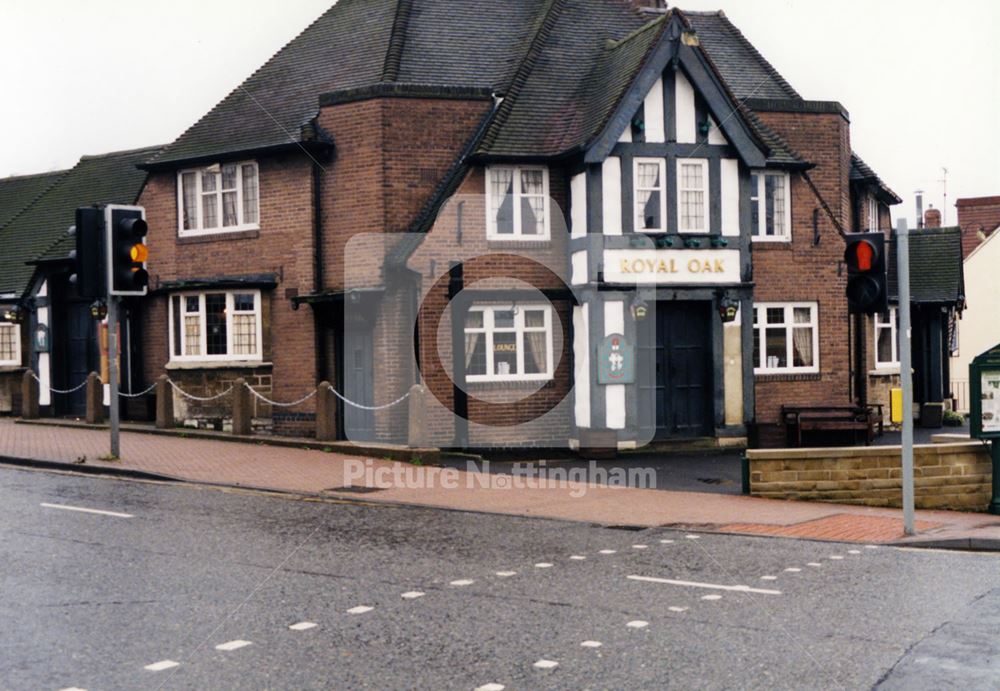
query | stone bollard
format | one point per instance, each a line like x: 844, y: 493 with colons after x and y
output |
x: 95, y: 399
x: 29, y: 396
x: 164, y: 403
x: 242, y: 408
x: 326, y: 413
x: 416, y: 436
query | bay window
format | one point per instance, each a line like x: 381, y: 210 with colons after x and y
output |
x: 217, y: 199
x: 517, y: 206
x: 222, y: 325
x: 786, y: 338
x: 692, y: 195
x: 770, y: 206
x: 508, y: 343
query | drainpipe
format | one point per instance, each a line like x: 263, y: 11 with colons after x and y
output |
x: 319, y: 337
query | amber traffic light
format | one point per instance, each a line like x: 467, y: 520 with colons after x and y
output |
x: 127, y: 251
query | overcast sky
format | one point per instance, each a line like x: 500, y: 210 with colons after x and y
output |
x: 920, y: 79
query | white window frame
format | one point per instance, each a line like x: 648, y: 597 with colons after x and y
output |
x: 16, y: 328
x: 872, y: 214
x: 789, y: 326
x: 488, y: 330
x: 759, y: 197
x: 636, y: 225
x: 198, y: 172
x: 706, y: 200
x: 203, y: 356
x: 517, y: 197
x: 892, y: 326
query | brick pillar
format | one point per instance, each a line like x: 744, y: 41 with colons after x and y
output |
x: 29, y: 396
x: 326, y: 413
x: 164, y: 403
x: 416, y: 436
x: 95, y: 399
x: 242, y: 408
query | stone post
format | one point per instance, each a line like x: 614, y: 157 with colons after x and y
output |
x: 95, y: 399
x: 416, y: 436
x: 326, y: 413
x: 164, y: 403
x: 29, y: 396
x: 242, y: 408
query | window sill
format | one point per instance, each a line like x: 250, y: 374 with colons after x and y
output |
x: 786, y: 376
x: 521, y: 242
x: 193, y: 238
x: 8, y: 367
x: 518, y: 384
x: 217, y: 364
x: 884, y: 372
x: 783, y: 244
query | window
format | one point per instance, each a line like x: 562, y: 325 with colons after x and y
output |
x: 508, y: 343
x: 872, y: 213
x: 886, y: 341
x: 215, y: 326
x: 10, y: 344
x: 517, y: 203
x: 649, y: 176
x: 770, y: 207
x: 786, y: 338
x: 692, y: 195
x: 217, y: 199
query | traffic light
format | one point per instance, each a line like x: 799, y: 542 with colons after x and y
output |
x: 867, y: 284
x: 88, y: 255
x: 125, y: 235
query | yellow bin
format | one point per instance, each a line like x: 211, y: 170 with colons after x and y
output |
x: 896, y: 407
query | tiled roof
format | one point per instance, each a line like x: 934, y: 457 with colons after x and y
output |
x: 17, y: 193
x: 40, y: 232
x: 936, y: 275
x: 861, y: 172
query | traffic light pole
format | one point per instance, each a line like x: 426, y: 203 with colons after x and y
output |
x: 905, y: 370
x: 113, y: 373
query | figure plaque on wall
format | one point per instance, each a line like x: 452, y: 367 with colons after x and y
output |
x: 615, y: 361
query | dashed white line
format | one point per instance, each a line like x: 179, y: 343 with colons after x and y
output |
x: 360, y: 609
x: 303, y: 626
x: 871, y: 546
x: 854, y: 551
x: 462, y: 582
x: 577, y: 557
x: 711, y: 596
x: 411, y: 595
x: 678, y: 609
x: 836, y: 556
x: 640, y: 546
x: 693, y: 537
x: 607, y: 551
x: 492, y: 686
x: 666, y: 541
x: 591, y: 644
x: 637, y: 624
x: 72, y: 688
x: 546, y: 664
x: 161, y: 665
x: 543, y: 565
x: 233, y: 645
x: 813, y: 563
x: 506, y: 574
x: 99, y: 512
x: 793, y: 569
x: 697, y: 584
x: 768, y: 578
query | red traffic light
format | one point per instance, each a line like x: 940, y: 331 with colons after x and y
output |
x: 861, y: 255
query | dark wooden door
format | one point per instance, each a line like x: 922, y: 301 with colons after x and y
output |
x: 359, y: 380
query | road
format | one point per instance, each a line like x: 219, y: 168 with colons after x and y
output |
x: 186, y: 587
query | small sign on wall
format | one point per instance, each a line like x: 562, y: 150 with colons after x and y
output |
x: 615, y: 361
x: 984, y: 395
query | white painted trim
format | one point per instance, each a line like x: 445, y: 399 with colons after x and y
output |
x: 715, y: 135
x: 578, y: 261
x: 488, y: 330
x: 578, y: 205
x: 706, y: 196
x: 581, y: 367
x: 202, y: 318
x: 636, y: 226
x: 687, y: 126
x: 626, y: 136
x: 729, y: 179
x: 886, y: 366
x: 614, y: 322
x: 517, y: 198
x: 198, y: 230
x: 788, y: 326
x: 761, y: 201
x: 44, y: 359
x: 653, y: 112
x: 611, y: 195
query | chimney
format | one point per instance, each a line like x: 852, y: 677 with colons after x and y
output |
x: 932, y: 217
x: 920, y: 208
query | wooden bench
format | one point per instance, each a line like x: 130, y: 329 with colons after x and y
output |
x: 835, y: 419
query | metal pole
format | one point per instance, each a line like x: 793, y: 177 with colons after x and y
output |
x: 995, y: 501
x: 905, y: 370
x: 113, y: 372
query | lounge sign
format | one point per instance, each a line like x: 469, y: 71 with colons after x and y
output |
x: 646, y: 266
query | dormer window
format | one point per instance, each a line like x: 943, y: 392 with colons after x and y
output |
x: 218, y: 199
x: 517, y: 205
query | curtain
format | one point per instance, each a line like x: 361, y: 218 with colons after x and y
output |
x: 249, y: 193
x: 536, y: 341
x: 803, y: 347
x: 501, y: 196
x: 471, y: 343
x: 647, y: 196
x: 229, y: 209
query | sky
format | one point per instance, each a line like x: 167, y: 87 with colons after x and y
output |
x: 920, y: 79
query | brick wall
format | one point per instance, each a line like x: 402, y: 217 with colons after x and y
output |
x: 946, y: 476
x: 977, y: 214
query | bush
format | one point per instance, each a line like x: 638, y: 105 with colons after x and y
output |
x: 953, y: 419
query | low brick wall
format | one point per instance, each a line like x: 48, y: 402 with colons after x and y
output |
x: 945, y: 476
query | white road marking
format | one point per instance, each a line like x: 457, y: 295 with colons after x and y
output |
x: 607, y: 551
x: 591, y: 644
x: 64, y: 507
x: 693, y: 537
x: 492, y: 686
x: 233, y: 645
x: 360, y: 609
x: 793, y: 569
x: 665, y: 541
x: 637, y: 624
x: 713, y: 586
x: 506, y: 574
x: 711, y: 597
x: 161, y: 665
x: 871, y: 546
x: 543, y: 565
x: 577, y: 557
x: 546, y: 664
x: 813, y: 563
x: 854, y: 551
x: 836, y: 556
x: 303, y: 626
x: 768, y: 578
x: 411, y: 595
x: 678, y: 609
x: 640, y: 546
x: 462, y: 581
x: 72, y: 688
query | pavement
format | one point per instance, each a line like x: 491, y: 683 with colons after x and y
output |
x: 584, y: 494
x: 115, y: 584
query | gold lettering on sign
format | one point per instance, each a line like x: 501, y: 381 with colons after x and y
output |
x: 639, y: 265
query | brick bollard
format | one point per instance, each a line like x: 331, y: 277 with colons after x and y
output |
x: 242, y: 408
x: 95, y: 399
x: 164, y: 403
x: 416, y: 433
x: 29, y: 396
x: 326, y: 413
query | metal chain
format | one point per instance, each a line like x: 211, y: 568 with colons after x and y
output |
x: 282, y: 405
x: 202, y: 399
x: 59, y: 391
x: 136, y: 395
x: 369, y: 407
